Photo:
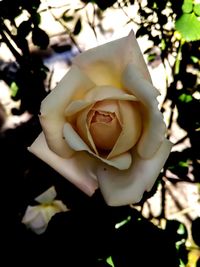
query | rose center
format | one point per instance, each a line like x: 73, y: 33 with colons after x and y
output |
x: 104, y: 129
x: 101, y: 117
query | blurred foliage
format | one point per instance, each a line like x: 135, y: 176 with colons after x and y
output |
x: 174, y: 31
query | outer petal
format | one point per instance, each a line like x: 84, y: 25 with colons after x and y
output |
x: 79, y: 169
x: 153, y: 125
x: 121, y: 162
x: 73, y: 86
x: 126, y: 187
x: 105, y: 64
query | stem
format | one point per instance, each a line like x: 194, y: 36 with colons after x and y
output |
x: 163, y: 190
x: 178, y: 59
x: 92, y: 24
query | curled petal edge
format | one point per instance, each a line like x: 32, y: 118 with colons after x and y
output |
x: 154, y: 126
x: 127, y: 187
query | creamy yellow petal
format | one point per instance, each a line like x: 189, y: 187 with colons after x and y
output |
x: 99, y: 93
x: 74, y: 84
x: 126, y: 187
x: 83, y: 130
x: 121, y: 162
x: 79, y: 169
x: 31, y: 213
x: 96, y: 94
x: 153, y: 125
x: 104, y: 134
x: 47, y: 197
x: 76, y: 106
x: 131, y: 128
x: 104, y: 64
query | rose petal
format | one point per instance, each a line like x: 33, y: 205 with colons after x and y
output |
x: 131, y: 129
x: 60, y: 206
x: 76, y: 106
x: 96, y: 94
x: 126, y: 187
x: 47, y: 197
x: 83, y: 130
x: 120, y: 162
x: 99, y: 93
x: 74, y: 85
x: 79, y: 169
x: 31, y: 213
x: 154, y: 126
x: 104, y: 134
x: 104, y: 64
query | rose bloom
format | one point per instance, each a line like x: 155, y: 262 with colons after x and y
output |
x: 102, y: 126
x: 37, y: 217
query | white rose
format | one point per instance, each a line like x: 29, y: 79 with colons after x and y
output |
x: 37, y: 217
x: 102, y: 126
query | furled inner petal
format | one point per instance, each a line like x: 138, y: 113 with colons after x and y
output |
x: 98, y: 125
x: 103, y: 122
x: 81, y: 126
x: 99, y: 93
x: 105, y: 129
x: 153, y: 125
x: 131, y: 127
x: 73, y: 86
x: 121, y: 162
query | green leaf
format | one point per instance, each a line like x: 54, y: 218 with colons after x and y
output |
x: 151, y: 57
x: 187, y: 6
x: 110, y: 262
x: 181, y: 263
x: 188, y: 25
x: 197, y: 9
x: 185, y: 98
x: 181, y: 230
x: 194, y: 59
x: 14, y: 89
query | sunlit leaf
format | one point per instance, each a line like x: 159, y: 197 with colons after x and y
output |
x: 188, y: 25
x: 185, y: 98
x: 197, y: 9
x: 151, y: 57
x: 110, y: 261
x: 194, y: 59
x: 187, y: 6
x: 14, y: 89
